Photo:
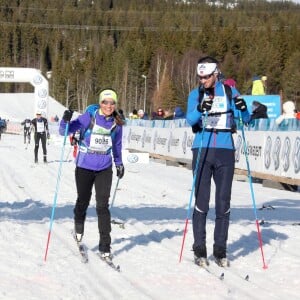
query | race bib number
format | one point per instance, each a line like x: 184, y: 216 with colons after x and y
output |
x: 40, y: 127
x: 216, y: 120
x: 100, y: 142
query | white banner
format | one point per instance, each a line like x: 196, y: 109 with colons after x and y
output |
x: 35, y: 78
x: 270, y: 152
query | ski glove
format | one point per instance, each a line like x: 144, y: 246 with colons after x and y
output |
x: 205, y: 105
x: 240, y: 104
x: 120, y: 171
x: 48, y: 136
x: 67, y: 115
x: 201, y: 92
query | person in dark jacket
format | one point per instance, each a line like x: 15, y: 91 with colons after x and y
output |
x: 159, y: 115
x: 178, y: 113
x: 142, y: 115
x: 41, y: 133
x: 27, y: 129
x: 213, y: 150
x: 101, y: 138
x: 259, y: 111
x: 2, y: 126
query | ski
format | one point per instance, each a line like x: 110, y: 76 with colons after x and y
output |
x: 82, y: 249
x: 205, y: 266
x: 109, y: 262
x: 225, y: 265
x: 218, y: 267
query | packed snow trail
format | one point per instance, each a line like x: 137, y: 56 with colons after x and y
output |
x: 152, y: 201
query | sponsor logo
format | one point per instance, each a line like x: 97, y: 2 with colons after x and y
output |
x: 286, y: 154
x: 132, y: 158
x: 42, y: 104
x: 42, y: 93
x: 296, y: 155
x: 275, y: 153
x: 37, y: 79
x: 7, y: 74
x: 267, y: 154
x: 252, y: 150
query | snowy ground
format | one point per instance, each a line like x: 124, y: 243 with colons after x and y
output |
x: 152, y: 201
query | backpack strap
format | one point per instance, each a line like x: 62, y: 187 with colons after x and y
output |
x: 197, y: 128
x: 228, y: 92
x: 83, y: 131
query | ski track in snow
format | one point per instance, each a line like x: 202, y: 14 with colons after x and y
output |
x: 152, y: 201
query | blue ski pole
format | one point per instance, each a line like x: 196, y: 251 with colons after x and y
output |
x: 193, y: 188
x: 252, y: 193
x: 56, y: 190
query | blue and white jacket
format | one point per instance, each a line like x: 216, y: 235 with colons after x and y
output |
x: 220, y: 120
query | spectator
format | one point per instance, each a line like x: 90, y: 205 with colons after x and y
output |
x: 231, y: 82
x: 121, y: 113
x: 153, y: 115
x: 258, y: 85
x: 288, y: 112
x: 160, y: 114
x: 264, y: 81
x: 179, y: 113
x: 259, y: 111
x: 169, y: 115
x: 142, y: 115
x: 134, y: 115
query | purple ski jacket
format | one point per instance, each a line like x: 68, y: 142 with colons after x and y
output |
x: 92, y: 160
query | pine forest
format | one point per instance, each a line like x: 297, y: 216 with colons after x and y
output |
x: 147, y: 50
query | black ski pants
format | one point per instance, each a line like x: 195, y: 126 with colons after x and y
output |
x: 102, y: 180
x: 216, y: 164
x: 37, y: 138
x: 26, y: 134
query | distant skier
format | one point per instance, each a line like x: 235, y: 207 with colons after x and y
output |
x: 27, y: 129
x: 41, y: 132
x: 2, y: 126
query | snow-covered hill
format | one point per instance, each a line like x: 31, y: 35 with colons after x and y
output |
x: 21, y: 106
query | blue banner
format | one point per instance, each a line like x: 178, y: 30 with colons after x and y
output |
x: 271, y: 101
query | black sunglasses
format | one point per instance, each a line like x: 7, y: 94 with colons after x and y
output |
x: 205, y: 77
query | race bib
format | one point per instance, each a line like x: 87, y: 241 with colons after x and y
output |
x: 216, y: 120
x: 100, y: 139
x: 40, y: 127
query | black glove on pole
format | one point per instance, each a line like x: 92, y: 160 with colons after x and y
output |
x: 120, y: 171
x: 67, y: 116
x: 205, y: 105
x: 240, y: 104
